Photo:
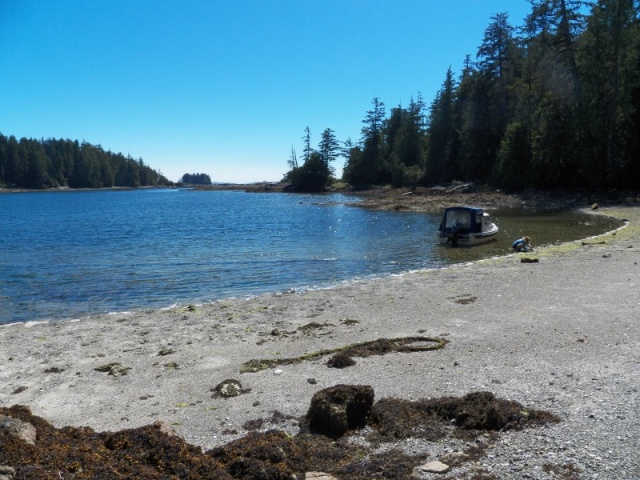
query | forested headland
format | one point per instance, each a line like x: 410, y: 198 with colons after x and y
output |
x: 38, y: 164
x: 196, y: 179
x: 552, y: 104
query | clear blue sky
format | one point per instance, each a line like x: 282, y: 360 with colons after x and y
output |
x: 224, y: 87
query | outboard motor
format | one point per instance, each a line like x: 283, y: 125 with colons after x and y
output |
x: 453, y: 236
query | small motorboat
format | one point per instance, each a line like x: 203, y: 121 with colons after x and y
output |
x: 466, y: 226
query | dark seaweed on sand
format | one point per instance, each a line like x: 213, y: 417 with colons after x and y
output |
x: 150, y: 453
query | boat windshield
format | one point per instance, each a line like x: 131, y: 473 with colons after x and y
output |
x: 458, y: 218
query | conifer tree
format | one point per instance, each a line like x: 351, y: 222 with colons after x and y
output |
x: 442, y: 151
x: 329, y: 148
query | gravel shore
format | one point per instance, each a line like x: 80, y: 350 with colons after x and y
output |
x: 560, y: 333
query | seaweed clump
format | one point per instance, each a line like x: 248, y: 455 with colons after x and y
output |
x: 151, y: 452
x: 395, y: 418
x: 381, y: 346
x: 341, y: 360
x: 147, y: 453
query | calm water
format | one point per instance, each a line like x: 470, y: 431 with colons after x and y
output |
x: 68, y: 254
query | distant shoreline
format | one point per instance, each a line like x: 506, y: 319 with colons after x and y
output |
x: 68, y: 189
x: 426, y: 199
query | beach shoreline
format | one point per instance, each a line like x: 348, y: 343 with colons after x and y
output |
x: 560, y: 334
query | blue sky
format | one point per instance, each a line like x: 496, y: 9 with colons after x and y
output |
x: 224, y: 87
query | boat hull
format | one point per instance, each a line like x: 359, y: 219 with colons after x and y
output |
x: 471, y: 239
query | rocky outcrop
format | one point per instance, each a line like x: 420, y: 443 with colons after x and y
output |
x: 229, y: 388
x: 336, y: 410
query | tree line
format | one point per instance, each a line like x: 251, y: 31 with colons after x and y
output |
x: 37, y: 164
x: 196, y: 179
x: 552, y: 104
x: 316, y: 169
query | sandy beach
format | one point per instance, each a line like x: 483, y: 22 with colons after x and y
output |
x: 561, y: 334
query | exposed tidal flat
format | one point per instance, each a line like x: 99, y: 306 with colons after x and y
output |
x: 559, y: 335
x: 77, y: 253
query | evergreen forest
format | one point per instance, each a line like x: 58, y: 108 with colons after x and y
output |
x: 196, y: 179
x: 552, y: 104
x: 37, y: 164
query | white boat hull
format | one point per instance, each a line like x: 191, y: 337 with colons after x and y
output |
x: 471, y: 239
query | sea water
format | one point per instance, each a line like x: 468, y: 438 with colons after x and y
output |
x: 75, y: 253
